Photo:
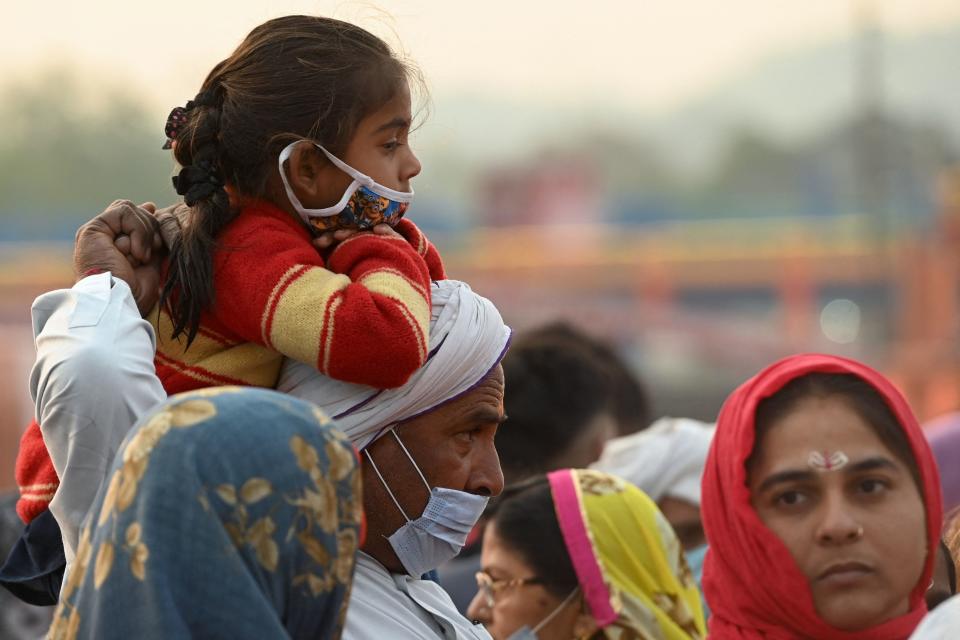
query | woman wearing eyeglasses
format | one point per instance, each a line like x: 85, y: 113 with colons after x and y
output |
x: 583, y: 554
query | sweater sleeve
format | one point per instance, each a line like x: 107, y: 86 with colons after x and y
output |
x: 424, y: 248
x: 364, y: 320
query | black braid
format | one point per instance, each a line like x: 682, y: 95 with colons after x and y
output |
x: 201, y: 183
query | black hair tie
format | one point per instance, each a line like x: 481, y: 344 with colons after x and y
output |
x: 197, y: 182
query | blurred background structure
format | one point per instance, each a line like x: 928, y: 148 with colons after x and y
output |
x: 708, y: 185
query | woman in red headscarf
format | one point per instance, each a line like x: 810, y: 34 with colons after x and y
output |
x: 821, y: 505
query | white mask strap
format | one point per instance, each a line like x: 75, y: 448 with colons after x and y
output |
x: 556, y: 611
x: 385, y: 485
x: 410, y: 457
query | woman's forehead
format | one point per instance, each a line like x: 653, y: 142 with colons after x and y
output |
x: 819, y: 433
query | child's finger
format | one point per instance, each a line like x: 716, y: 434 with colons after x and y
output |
x: 342, y: 234
x: 383, y: 229
x: 323, y: 242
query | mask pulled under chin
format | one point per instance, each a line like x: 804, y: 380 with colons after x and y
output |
x: 526, y: 633
x: 364, y: 204
x: 439, y: 534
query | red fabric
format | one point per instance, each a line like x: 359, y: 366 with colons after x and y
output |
x: 35, y: 475
x: 752, y: 584
x: 372, y: 341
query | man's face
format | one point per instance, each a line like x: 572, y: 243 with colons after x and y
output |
x: 453, y: 447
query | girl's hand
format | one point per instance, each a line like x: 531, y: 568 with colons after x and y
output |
x: 331, y: 238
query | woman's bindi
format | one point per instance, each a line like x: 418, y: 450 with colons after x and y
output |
x: 827, y: 460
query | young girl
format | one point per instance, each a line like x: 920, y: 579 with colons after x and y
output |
x: 302, y: 130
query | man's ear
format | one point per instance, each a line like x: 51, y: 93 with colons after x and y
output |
x: 305, y: 171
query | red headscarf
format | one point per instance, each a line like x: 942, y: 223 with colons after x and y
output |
x: 752, y: 584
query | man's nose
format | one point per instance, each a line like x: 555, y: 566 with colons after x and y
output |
x: 486, y: 477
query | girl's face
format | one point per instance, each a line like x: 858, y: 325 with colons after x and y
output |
x: 518, y: 605
x: 846, y: 508
x: 379, y: 148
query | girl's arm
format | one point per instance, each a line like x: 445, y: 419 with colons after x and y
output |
x: 364, y: 317
x: 424, y: 247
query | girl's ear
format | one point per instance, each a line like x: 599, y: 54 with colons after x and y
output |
x: 306, y: 171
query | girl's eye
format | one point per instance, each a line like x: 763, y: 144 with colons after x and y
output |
x: 392, y: 145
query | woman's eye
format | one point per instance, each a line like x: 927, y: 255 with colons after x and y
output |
x: 790, y: 498
x: 872, y: 486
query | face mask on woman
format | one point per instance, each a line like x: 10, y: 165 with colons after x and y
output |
x: 526, y: 633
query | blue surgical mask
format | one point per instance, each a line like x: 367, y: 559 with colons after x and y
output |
x: 440, y: 533
x: 695, y: 560
x: 364, y: 204
x: 526, y: 633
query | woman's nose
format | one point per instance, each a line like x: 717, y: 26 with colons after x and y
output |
x: 478, y: 609
x: 838, y: 523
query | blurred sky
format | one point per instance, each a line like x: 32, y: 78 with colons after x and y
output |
x: 654, y: 55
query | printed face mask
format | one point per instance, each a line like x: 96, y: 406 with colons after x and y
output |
x: 364, y: 204
x: 440, y: 533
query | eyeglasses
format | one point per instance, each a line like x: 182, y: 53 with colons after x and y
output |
x: 490, y: 587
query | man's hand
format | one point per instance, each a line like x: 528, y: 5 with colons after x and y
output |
x: 124, y: 240
x: 172, y: 221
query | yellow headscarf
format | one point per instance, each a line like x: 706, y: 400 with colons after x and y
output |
x: 628, y: 560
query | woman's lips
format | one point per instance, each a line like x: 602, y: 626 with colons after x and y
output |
x: 844, y: 574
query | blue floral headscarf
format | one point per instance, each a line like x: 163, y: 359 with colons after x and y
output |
x: 229, y: 513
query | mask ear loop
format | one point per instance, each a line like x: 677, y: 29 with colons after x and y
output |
x: 385, y: 485
x: 556, y: 612
x: 410, y: 457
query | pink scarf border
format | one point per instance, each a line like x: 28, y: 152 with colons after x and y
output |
x: 572, y: 520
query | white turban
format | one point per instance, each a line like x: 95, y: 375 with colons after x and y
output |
x: 664, y: 460
x: 467, y: 340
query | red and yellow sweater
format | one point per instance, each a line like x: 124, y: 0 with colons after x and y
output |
x: 362, y: 316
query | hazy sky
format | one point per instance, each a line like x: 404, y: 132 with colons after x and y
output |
x: 639, y: 52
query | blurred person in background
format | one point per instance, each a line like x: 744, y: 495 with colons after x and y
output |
x: 18, y: 619
x: 821, y: 505
x: 631, y: 402
x: 666, y: 462
x: 943, y: 433
x: 583, y: 554
x: 560, y: 412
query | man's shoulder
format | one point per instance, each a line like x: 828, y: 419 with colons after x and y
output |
x: 384, y: 605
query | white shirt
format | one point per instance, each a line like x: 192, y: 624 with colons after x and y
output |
x: 94, y: 377
x: 396, y: 606
x: 943, y: 623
